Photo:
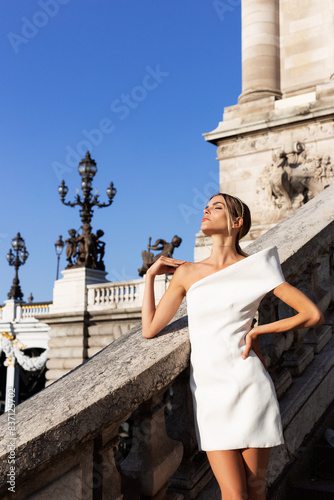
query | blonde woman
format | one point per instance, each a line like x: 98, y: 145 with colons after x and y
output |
x: 237, y: 418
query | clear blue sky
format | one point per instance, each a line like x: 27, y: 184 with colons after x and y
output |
x: 153, y: 76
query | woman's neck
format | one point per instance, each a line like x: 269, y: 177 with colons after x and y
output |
x: 223, y: 251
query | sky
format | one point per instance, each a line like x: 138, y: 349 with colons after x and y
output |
x: 136, y: 83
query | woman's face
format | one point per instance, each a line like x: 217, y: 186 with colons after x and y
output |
x: 215, y: 216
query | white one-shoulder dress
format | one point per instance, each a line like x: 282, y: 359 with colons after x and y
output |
x: 235, y: 403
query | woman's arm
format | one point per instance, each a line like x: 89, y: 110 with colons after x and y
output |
x: 307, y: 315
x: 154, y: 320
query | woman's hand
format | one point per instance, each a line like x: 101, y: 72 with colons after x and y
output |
x: 154, y: 320
x: 164, y: 265
x: 252, y: 342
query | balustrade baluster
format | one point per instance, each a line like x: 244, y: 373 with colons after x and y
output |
x: 107, y: 478
x: 299, y: 356
x: 194, y: 472
x: 273, y: 346
x: 153, y: 457
x: 322, y: 291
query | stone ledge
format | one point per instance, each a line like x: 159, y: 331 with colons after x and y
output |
x: 270, y: 120
x: 104, y: 314
x: 65, y: 317
x: 105, y: 388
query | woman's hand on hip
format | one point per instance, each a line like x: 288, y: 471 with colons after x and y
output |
x: 252, y: 342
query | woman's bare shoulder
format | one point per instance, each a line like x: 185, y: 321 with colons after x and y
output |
x: 186, y: 273
x: 185, y: 269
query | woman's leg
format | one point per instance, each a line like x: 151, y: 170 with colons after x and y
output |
x: 229, y: 469
x: 256, y: 462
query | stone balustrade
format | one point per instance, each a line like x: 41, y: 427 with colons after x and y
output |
x: 120, y: 426
x: 122, y: 294
x: 36, y: 309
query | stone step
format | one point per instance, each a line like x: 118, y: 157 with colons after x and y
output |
x: 322, y: 463
x: 309, y: 489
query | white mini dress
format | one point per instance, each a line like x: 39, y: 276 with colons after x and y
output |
x: 235, y: 403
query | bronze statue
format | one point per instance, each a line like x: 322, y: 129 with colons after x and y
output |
x: 71, y: 250
x: 100, y: 247
x: 86, y: 249
x: 161, y: 245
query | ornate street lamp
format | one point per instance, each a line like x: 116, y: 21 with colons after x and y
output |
x: 17, y: 260
x: 86, y: 248
x: 59, y: 245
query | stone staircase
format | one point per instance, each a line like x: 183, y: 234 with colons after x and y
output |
x: 68, y: 438
x: 318, y: 481
x: 310, y: 474
x: 315, y: 488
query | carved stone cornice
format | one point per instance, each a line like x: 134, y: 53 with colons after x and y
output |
x: 273, y: 139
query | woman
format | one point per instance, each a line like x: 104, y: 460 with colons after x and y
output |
x: 236, y: 411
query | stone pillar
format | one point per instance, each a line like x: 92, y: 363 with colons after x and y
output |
x: 10, y: 384
x: 70, y: 292
x: 68, y: 320
x: 153, y: 456
x: 9, y: 311
x: 260, y: 50
x: 194, y: 473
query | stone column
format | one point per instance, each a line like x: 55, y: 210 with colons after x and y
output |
x: 68, y: 320
x: 153, y: 456
x: 12, y: 384
x: 260, y: 50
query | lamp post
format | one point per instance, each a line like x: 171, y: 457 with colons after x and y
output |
x: 88, y: 242
x: 17, y: 259
x: 59, y: 245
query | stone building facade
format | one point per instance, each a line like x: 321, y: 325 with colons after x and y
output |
x: 275, y: 146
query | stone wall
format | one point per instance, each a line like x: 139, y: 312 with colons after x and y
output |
x: 275, y: 145
x: 306, y: 45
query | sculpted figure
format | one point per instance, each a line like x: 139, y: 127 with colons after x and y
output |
x: 161, y: 245
x: 71, y: 249
x: 279, y: 182
x: 147, y: 257
x: 88, y: 249
x: 291, y: 180
x: 166, y: 248
x: 100, y: 248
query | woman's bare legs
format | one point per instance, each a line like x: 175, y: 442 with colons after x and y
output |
x: 240, y: 473
x: 229, y: 470
x: 256, y: 462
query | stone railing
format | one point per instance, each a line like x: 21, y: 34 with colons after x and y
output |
x: 122, y: 294
x: 120, y: 426
x: 119, y: 295
x: 18, y: 310
x: 35, y: 309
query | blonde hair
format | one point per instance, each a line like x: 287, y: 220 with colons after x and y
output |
x: 236, y: 208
